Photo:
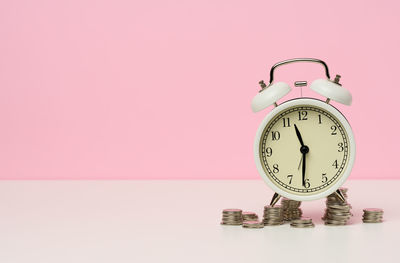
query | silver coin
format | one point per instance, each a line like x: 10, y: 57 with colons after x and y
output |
x: 231, y: 223
x: 232, y: 210
x: 253, y: 224
x: 303, y: 226
x: 302, y: 220
x: 372, y: 217
x: 276, y: 207
x: 334, y: 224
x: 329, y: 215
x: 372, y: 221
x: 273, y: 224
x: 373, y: 210
x: 254, y: 227
x: 249, y: 214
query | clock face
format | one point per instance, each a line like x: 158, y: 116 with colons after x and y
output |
x: 324, y: 151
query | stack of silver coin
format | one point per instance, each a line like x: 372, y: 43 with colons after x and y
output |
x: 291, y: 209
x: 372, y: 215
x: 303, y: 222
x: 253, y: 224
x: 232, y: 217
x: 249, y: 216
x: 273, y: 215
x: 333, y: 199
x: 337, y: 212
x: 337, y: 215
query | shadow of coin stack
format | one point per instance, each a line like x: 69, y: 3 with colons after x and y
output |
x: 291, y: 209
x: 232, y: 217
x: 273, y: 215
x: 337, y: 212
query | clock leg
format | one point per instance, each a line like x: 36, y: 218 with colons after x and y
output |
x: 340, y: 195
x: 275, y: 199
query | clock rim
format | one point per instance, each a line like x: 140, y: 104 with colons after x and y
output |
x: 312, y: 102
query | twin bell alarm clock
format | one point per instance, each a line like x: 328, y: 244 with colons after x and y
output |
x: 304, y: 148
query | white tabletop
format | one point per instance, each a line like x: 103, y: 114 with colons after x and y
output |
x: 178, y: 221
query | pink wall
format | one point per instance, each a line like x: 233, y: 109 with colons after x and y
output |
x: 162, y: 89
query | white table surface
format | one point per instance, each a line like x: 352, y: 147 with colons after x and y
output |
x: 178, y: 221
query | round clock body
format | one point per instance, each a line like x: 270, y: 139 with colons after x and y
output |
x: 330, y: 141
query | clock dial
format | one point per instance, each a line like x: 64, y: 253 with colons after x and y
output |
x: 324, y: 160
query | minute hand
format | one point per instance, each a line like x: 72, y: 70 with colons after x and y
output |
x: 303, y: 170
x: 304, y: 150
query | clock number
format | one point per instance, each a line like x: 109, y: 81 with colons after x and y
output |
x: 341, y: 148
x: 276, y: 168
x: 291, y: 177
x: 319, y: 119
x: 286, y: 122
x: 307, y: 183
x: 268, y: 151
x: 335, y: 164
x: 276, y: 135
x: 324, y: 178
x: 333, y: 128
x: 302, y: 115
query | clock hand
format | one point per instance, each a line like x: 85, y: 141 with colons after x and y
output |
x: 303, y: 170
x: 304, y: 150
x: 301, y: 161
x: 299, y: 135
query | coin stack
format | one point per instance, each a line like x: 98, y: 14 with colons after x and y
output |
x: 291, y: 209
x: 253, y: 224
x: 232, y: 217
x: 337, y: 215
x: 273, y: 215
x: 337, y: 212
x: 372, y: 215
x: 333, y: 199
x: 303, y: 222
x: 249, y: 216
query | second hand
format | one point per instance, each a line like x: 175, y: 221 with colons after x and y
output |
x: 301, y: 160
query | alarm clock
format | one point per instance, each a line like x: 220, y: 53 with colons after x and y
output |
x: 304, y: 148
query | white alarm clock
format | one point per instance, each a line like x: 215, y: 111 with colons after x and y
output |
x: 304, y: 148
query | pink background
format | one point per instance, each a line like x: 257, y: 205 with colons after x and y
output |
x: 162, y: 89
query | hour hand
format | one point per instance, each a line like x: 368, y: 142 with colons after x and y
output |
x: 298, y: 135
